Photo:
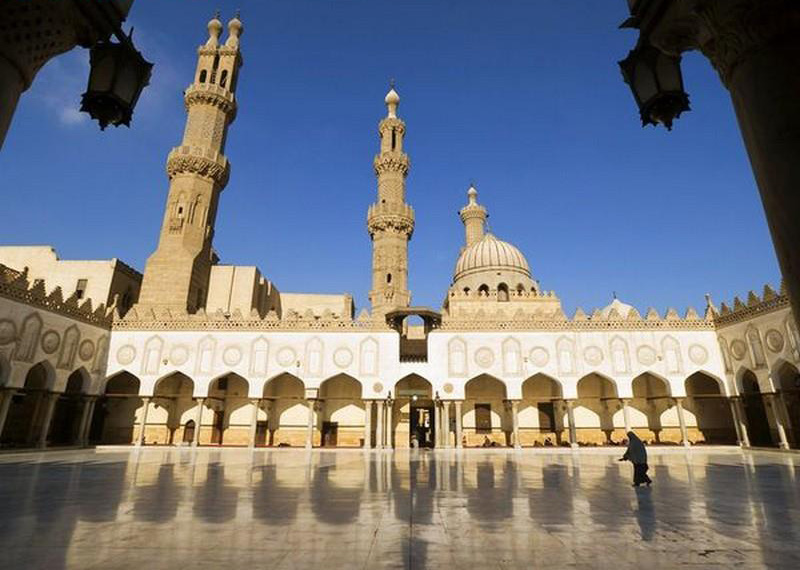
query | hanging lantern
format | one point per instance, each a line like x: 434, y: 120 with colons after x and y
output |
x: 657, y: 84
x: 117, y: 76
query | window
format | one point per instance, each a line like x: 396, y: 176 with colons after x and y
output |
x: 483, y: 291
x: 223, y: 78
x: 394, y: 139
x: 483, y: 418
x: 547, y: 416
x: 203, y: 75
x: 466, y: 290
x: 80, y: 288
x: 388, y: 277
x: 502, y: 292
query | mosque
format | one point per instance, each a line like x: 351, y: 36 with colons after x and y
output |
x: 194, y: 352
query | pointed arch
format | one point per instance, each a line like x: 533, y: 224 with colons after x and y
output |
x: 368, y: 357
x: 122, y: 383
x: 565, y: 353
x: 228, y: 384
x: 756, y: 345
x: 620, y: 356
x: 597, y: 386
x: 648, y: 386
x: 28, y: 338
x: 206, y: 353
x: 314, y: 358
x: 726, y: 355
x: 457, y: 358
x: 671, y: 349
x: 69, y: 348
x: 79, y: 382
x: 174, y: 385
x: 101, y: 355
x: 512, y: 357
x: 40, y: 376
x: 259, y: 357
x: 485, y: 385
x: 151, y: 357
x: 284, y: 385
x: 542, y: 387
x: 787, y: 376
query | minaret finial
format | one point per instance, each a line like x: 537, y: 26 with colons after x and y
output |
x: 235, y: 30
x: 392, y: 100
x: 214, y: 30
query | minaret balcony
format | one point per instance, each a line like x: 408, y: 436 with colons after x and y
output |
x: 391, y: 161
x: 397, y: 217
x: 200, y: 162
x: 210, y: 94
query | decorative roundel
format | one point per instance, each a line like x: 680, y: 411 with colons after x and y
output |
x: 86, y: 350
x: 738, y: 349
x: 8, y: 331
x: 484, y: 357
x: 774, y: 340
x: 286, y: 356
x: 50, y: 341
x: 540, y: 356
x: 126, y: 354
x: 698, y: 354
x: 448, y: 388
x: 343, y: 357
x: 593, y: 355
x: 646, y: 355
x: 232, y: 356
x: 377, y: 387
x: 179, y: 355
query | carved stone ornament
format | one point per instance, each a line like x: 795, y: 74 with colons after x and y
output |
x: 448, y: 388
x: 8, y: 331
x: 540, y: 356
x: 178, y: 355
x: 377, y: 387
x: 484, y: 357
x: 50, y: 341
x: 126, y: 354
x: 698, y: 354
x: 738, y: 349
x: 646, y: 355
x: 232, y: 356
x: 343, y: 357
x: 593, y: 355
x: 286, y: 356
x: 199, y: 165
x: 774, y: 340
x: 206, y: 95
x: 86, y: 350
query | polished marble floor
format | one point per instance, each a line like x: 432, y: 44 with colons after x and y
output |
x: 227, y: 509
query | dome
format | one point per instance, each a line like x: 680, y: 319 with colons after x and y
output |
x: 392, y: 98
x: 623, y: 309
x: 491, y: 254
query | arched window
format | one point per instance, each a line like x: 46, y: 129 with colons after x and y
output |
x: 388, y: 277
x: 483, y: 290
x: 520, y: 289
x: 203, y: 75
x: 466, y: 290
x: 394, y: 139
x: 502, y: 292
x: 223, y: 80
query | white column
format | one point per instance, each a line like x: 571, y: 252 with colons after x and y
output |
x: 367, y: 424
x: 198, y: 422
x: 459, y: 429
x: 379, y: 425
x: 48, y: 416
x: 388, y: 432
x: 6, y: 396
x: 682, y: 422
x: 772, y: 403
x: 87, y: 405
x: 140, y: 440
x: 253, y: 423
x: 573, y: 434
x: 739, y: 418
x: 515, y: 423
x: 447, y: 439
x: 41, y: 397
x: 310, y: 430
x: 626, y: 415
x: 87, y: 429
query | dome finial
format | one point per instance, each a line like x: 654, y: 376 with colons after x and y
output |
x: 214, y: 30
x: 392, y: 100
x: 472, y: 193
x: 235, y: 30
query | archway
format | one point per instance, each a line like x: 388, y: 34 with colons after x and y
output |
x: 788, y: 386
x: 758, y: 427
x: 342, y: 412
x: 414, y: 414
x: 651, y: 399
x: 594, y: 413
x: 287, y: 413
x: 539, y: 421
x: 231, y: 411
x: 486, y: 418
x: 706, y: 400
x: 172, y: 406
x: 114, y: 416
x: 27, y: 410
x: 65, y: 426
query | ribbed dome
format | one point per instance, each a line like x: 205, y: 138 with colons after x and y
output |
x: 490, y: 253
x: 623, y: 309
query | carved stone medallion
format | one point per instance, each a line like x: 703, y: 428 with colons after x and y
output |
x: 593, y: 355
x: 738, y: 349
x: 540, y: 356
x: 232, y: 355
x: 377, y: 387
x: 126, y: 354
x: 50, y: 341
x: 286, y: 356
x: 448, y: 388
x: 8, y: 331
x: 698, y: 354
x: 646, y: 355
x: 179, y: 355
x: 484, y: 357
x: 774, y: 340
x: 86, y: 350
x: 343, y: 357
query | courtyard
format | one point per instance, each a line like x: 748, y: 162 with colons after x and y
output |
x: 283, y: 508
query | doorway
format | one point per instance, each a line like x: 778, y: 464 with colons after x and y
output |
x: 421, y: 425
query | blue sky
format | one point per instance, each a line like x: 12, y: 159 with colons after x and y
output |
x: 522, y: 96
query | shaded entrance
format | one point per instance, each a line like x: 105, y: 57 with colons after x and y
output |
x: 414, y: 413
x: 757, y: 423
x: 712, y: 409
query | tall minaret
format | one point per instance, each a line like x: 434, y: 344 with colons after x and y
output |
x: 177, y: 273
x: 390, y: 220
x: 473, y: 216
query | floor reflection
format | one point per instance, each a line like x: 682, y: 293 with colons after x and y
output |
x: 345, y: 509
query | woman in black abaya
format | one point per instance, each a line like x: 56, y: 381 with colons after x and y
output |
x: 637, y: 454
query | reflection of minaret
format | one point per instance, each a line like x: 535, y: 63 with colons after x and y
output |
x: 473, y: 215
x: 390, y: 220
x: 177, y: 273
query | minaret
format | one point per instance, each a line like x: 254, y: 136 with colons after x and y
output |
x: 390, y: 220
x: 473, y: 216
x: 177, y: 273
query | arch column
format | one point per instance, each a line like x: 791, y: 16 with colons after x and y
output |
x: 738, y: 417
x: 50, y: 405
x: 6, y: 395
x: 515, y: 423
x: 626, y: 414
x: 140, y: 439
x: 682, y: 422
x: 198, y: 423
x: 772, y: 407
x: 367, y: 424
x: 380, y: 404
x: 573, y: 434
x: 310, y: 427
x: 86, y: 420
x: 446, y: 439
x: 251, y: 441
x: 459, y: 428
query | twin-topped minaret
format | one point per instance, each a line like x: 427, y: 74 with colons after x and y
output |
x: 177, y: 274
x: 390, y: 220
